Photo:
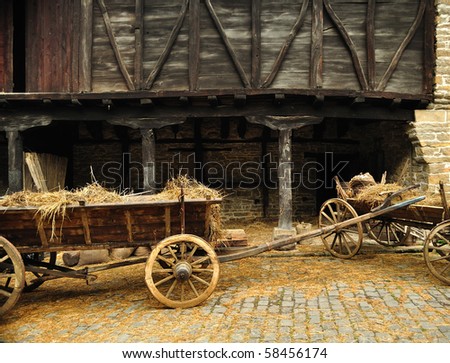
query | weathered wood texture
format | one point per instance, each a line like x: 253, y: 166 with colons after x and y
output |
x: 201, y: 45
x: 102, y: 226
x: 6, y: 82
x: 52, y: 33
x: 356, y: 45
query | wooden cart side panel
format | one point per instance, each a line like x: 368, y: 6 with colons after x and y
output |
x: 100, y: 226
x: 417, y: 214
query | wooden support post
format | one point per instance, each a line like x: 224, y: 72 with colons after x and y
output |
x: 285, y: 178
x: 15, y: 160
x: 149, y: 159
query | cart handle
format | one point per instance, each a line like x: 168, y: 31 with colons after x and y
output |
x: 253, y: 251
x: 388, y: 201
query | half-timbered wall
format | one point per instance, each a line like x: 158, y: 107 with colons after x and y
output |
x: 367, y: 46
x: 218, y: 44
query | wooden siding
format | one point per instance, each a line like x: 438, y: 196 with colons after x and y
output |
x: 291, y: 44
x: 6, y: 82
x: 230, y: 47
x: 52, y: 45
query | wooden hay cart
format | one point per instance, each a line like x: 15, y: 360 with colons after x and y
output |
x: 182, y: 269
x: 29, y: 245
x: 431, y: 224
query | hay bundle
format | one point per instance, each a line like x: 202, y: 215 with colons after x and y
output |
x: 192, y: 189
x: 360, y: 182
x: 52, y: 205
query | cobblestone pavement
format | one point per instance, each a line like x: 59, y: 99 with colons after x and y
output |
x: 291, y: 296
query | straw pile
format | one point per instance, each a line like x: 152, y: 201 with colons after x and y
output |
x: 374, y: 194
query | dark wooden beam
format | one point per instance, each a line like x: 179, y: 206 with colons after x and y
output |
x: 256, y: 43
x: 182, y: 109
x: 370, y: 41
x: 194, y: 43
x: 139, y: 32
x: 316, y: 72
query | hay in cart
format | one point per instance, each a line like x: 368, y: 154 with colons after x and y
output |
x: 52, y: 206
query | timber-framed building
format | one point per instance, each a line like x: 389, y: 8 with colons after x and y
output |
x: 267, y: 99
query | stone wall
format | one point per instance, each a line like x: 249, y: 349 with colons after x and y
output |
x: 430, y: 133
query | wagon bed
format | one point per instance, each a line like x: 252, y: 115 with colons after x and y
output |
x: 137, y: 222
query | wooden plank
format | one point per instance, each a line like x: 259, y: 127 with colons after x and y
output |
x: 194, y: 44
x: 370, y: 36
x: 41, y: 231
x: 285, y: 47
x: 86, y: 227
x: 129, y: 224
x: 113, y: 42
x: 167, y: 221
x: 398, y: 54
x: 316, y: 75
x: 75, y: 38
x: 85, y: 51
x: 168, y: 47
x: 139, y: 32
x: 256, y: 43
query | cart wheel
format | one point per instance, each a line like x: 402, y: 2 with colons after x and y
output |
x: 345, y: 242
x: 182, y: 271
x: 437, y: 251
x: 387, y: 233
x: 32, y: 281
x: 12, y: 275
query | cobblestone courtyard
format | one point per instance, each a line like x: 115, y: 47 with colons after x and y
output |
x: 291, y: 296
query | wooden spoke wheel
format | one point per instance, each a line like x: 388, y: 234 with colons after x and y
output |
x: 386, y: 233
x: 12, y: 275
x: 182, y: 271
x: 437, y: 251
x: 33, y: 279
x: 342, y: 242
